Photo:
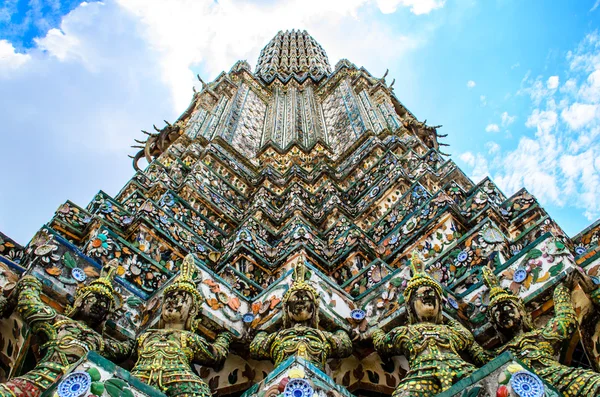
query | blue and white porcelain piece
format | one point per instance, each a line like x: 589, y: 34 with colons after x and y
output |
x: 75, y: 384
x: 462, y: 256
x: 248, y: 318
x: 526, y: 384
x: 78, y: 274
x: 357, y: 314
x: 298, y: 388
x: 520, y: 275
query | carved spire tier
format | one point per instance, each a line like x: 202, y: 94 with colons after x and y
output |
x: 290, y: 53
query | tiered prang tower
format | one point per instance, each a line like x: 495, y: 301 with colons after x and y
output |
x: 305, y: 193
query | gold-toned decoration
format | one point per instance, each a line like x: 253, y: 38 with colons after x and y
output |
x: 68, y: 337
x: 300, y: 335
x: 165, y: 353
x: 538, y: 347
x: 431, y: 343
x: 101, y: 286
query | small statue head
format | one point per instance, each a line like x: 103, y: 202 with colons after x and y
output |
x: 95, y: 301
x: 505, y: 311
x: 423, y: 296
x: 181, y: 299
x: 301, y: 300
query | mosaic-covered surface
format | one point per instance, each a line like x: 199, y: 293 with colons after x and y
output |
x: 299, y: 165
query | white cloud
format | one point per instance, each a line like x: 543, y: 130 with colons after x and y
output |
x: 579, y: 115
x: 507, y: 119
x: 590, y: 90
x: 189, y: 34
x: 542, y: 120
x: 471, y: 84
x: 81, y: 95
x: 417, y: 7
x: 478, y: 163
x: 492, y: 147
x: 69, y: 127
x: 560, y: 163
x: 9, y: 59
x: 482, y: 100
x: 552, y: 82
x: 492, y: 128
x: 569, y: 87
x: 468, y: 158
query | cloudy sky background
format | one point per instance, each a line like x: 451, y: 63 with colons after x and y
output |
x: 515, y: 84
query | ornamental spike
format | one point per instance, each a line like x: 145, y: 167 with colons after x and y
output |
x: 187, y: 268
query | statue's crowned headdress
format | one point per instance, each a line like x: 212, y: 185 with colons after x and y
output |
x: 419, y: 278
x: 185, y: 281
x: 100, y: 286
x: 499, y: 295
x: 301, y: 284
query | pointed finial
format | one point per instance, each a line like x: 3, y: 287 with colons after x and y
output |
x: 497, y: 293
x: 101, y: 286
x: 415, y: 263
x: 185, y: 280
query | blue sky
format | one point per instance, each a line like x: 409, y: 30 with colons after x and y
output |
x: 516, y: 85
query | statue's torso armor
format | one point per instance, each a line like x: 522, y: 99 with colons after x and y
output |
x: 306, y: 342
x: 165, y: 360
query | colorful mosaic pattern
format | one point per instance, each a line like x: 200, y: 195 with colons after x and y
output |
x: 299, y: 162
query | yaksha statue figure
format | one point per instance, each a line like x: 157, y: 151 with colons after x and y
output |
x: 67, y: 337
x: 165, y: 354
x: 539, y: 348
x: 300, y: 335
x: 431, y: 344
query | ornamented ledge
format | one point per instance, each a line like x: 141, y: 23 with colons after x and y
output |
x: 296, y: 377
x: 504, y: 376
x: 96, y: 376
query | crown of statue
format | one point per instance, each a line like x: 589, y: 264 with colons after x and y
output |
x: 100, y: 286
x: 300, y: 283
x: 497, y: 293
x: 419, y: 278
x: 185, y: 280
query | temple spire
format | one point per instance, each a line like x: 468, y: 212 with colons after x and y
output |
x: 292, y: 52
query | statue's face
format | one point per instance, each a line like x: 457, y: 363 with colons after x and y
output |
x: 507, y: 317
x: 301, y: 307
x: 95, y: 307
x: 426, y: 303
x: 177, y: 307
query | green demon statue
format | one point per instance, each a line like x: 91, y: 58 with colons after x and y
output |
x: 66, y: 337
x: 300, y: 335
x: 539, y: 348
x: 431, y: 344
x: 165, y: 354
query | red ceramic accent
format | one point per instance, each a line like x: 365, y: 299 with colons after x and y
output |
x: 502, y: 391
x: 282, y: 384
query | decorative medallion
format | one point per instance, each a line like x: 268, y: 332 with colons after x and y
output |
x: 298, y: 388
x: 526, y: 384
x: 357, y: 314
x: 492, y: 235
x: 248, y: 318
x: 75, y: 384
x: 78, y: 274
x: 462, y: 256
x: 520, y: 275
